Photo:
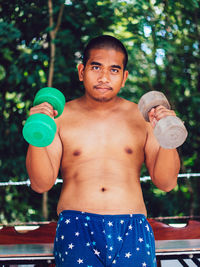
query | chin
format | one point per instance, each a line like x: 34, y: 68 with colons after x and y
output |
x: 102, y: 99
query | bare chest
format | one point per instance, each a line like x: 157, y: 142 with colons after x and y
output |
x: 113, y: 136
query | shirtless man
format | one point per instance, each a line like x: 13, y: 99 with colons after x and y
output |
x: 101, y: 143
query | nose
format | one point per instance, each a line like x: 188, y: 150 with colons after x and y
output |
x: 103, y: 76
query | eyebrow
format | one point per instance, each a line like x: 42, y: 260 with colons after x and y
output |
x: 99, y: 64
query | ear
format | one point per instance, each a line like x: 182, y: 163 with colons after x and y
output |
x: 80, y: 71
x: 125, y: 78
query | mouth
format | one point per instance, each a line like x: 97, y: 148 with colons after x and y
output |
x: 103, y: 89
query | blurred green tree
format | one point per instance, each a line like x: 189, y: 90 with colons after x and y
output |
x: 163, y: 41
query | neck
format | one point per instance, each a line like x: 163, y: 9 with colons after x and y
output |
x: 91, y: 103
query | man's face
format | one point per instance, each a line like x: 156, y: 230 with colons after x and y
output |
x: 103, y: 75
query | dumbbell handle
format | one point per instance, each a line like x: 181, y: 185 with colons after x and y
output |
x: 169, y: 131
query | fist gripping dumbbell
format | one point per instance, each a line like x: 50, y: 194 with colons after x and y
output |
x: 170, y: 130
x: 40, y: 129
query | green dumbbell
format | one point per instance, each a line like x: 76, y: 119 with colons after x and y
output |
x: 40, y: 129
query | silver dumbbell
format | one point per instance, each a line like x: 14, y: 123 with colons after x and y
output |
x: 169, y: 131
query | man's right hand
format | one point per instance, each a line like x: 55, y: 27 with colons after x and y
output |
x: 44, y: 108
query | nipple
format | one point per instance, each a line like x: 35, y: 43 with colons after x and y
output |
x: 76, y: 152
x: 128, y: 150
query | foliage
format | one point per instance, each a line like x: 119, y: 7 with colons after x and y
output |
x: 162, y: 39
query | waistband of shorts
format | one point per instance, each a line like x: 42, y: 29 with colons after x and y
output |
x: 75, y: 213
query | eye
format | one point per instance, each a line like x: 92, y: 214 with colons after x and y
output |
x: 95, y: 67
x: 114, y: 70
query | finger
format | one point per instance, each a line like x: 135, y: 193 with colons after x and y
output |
x: 55, y: 113
x: 152, y: 118
x: 151, y: 113
x: 164, y: 113
x: 161, y: 112
x: 44, y: 108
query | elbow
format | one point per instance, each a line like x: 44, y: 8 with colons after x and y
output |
x: 37, y: 189
x: 169, y: 187
x: 166, y: 186
x: 40, y: 189
x: 41, y: 183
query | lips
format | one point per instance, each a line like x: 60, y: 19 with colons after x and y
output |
x: 103, y: 88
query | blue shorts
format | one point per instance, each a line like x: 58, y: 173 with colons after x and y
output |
x: 93, y: 240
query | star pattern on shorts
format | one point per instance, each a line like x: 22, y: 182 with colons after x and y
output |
x: 113, y: 240
x: 70, y: 246
x: 80, y: 261
x: 130, y: 227
x: 109, y: 236
x: 128, y: 255
x: 147, y: 227
x: 96, y: 252
x: 67, y: 221
x: 110, y: 223
x: 119, y: 238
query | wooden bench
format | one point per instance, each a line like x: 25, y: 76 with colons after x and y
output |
x: 45, y: 233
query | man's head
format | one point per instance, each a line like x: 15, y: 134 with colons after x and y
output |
x: 103, y: 69
x: 105, y: 42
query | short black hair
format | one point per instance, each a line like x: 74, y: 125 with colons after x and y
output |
x: 105, y: 41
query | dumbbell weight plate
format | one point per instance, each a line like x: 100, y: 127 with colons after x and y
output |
x: 40, y: 130
x: 170, y: 132
x: 53, y: 96
x: 150, y: 100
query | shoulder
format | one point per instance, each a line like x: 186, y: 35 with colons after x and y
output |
x: 71, y: 106
x: 132, y: 109
x: 70, y: 111
x: 128, y: 104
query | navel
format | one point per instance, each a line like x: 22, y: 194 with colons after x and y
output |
x: 128, y: 150
x: 103, y: 189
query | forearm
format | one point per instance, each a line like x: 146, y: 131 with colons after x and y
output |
x: 166, y: 169
x: 40, y: 169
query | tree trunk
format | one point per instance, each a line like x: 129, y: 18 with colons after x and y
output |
x: 52, y: 33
